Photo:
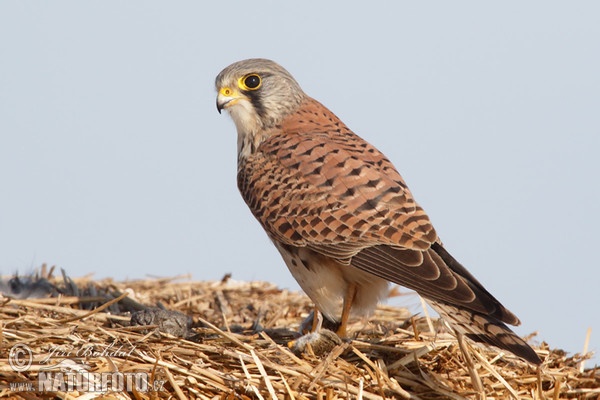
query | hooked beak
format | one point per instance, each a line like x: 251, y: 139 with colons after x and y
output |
x: 227, y: 97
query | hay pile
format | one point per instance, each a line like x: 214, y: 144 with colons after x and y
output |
x: 236, y: 349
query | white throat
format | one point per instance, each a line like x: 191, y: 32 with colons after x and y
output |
x: 247, y: 124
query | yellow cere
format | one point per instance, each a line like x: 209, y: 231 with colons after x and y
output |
x: 226, y: 91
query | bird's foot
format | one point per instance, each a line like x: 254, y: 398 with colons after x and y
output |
x: 314, y: 324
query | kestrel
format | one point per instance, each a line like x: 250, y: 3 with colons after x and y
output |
x: 340, y: 214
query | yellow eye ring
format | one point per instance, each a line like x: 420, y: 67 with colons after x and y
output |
x: 250, y: 82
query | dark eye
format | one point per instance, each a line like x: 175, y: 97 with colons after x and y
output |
x: 251, y: 82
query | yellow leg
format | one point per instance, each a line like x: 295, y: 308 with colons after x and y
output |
x: 348, y: 301
x: 317, y: 320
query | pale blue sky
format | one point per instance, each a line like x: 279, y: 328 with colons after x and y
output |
x: 114, y: 160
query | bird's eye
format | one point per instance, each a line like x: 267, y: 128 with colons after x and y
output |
x: 250, y: 82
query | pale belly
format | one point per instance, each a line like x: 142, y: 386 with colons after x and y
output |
x: 326, y: 282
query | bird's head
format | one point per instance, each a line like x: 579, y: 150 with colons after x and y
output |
x: 258, y: 94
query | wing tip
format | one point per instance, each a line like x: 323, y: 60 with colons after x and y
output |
x: 515, y: 345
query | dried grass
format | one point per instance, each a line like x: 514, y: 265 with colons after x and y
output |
x: 230, y: 358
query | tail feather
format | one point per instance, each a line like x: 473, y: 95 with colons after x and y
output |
x: 485, y: 329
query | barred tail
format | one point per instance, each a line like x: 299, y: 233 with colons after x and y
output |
x: 484, y: 329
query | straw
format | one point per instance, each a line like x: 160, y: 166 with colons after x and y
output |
x: 238, y: 349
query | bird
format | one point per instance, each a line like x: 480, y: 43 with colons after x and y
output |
x: 340, y: 214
